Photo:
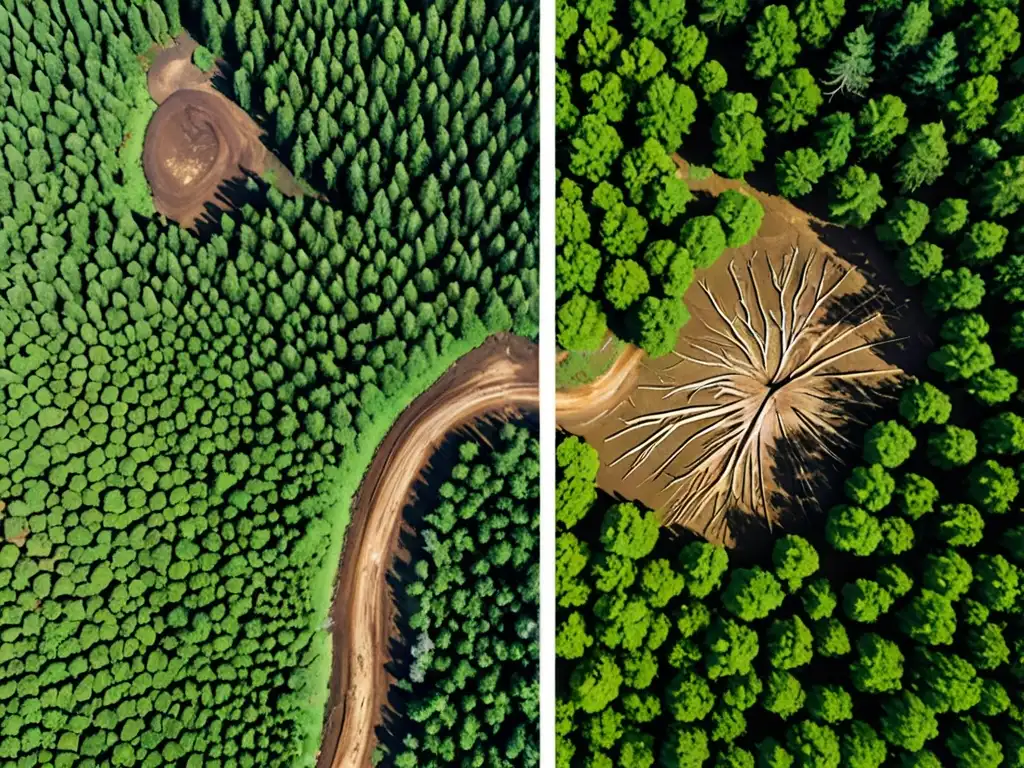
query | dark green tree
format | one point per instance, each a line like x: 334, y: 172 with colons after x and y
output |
x: 1002, y: 187
x: 971, y: 106
x: 795, y: 559
x: 952, y: 446
x: 835, y: 139
x: 879, y: 665
x: 923, y: 157
x: 992, y: 487
x: 581, y: 323
x: 910, y: 31
x: 667, y: 112
x: 738, y: 134
x: 994, y: 37
x: 934, y: 72
x: 818, y: 19
x: 797, y: 171
x: 950, y: 216
x: 862, y: 747
x: 752, y: 593
x: 916, y: 495
x: 905, y: 221
x: 704, y: 239
x: 1003, y: 434
x: 951, y: 289
x: 657, y: 323
x: 907, y: 722
x: 929, y: 618
x: 879, y: 123
x: 813, y: 745
x: 960, y: 525
x: 851, y: 529
x: 625, y: 283
x: 740, y: 216
x: 856, y: 196
x: 870, y: 487
x: 971, y: 743
x: 919, y: 262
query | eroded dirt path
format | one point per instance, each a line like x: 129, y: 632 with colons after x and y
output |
x: 498, y: 377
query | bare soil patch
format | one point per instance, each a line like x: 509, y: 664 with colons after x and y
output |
x: 793, y: 339
x: 199, y: 141
x: 172, y: 70
x: 499, y: 377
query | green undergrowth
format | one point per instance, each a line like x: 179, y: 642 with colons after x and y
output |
x: 135, y: 188
x: 581, y: 367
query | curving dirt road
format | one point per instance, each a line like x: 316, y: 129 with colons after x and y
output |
x: 498, y: 377
x: 597, y: 396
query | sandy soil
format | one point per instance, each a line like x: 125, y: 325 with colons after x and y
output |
x: 799, y: 479
x: 199, y: 140
x: 499, y: 377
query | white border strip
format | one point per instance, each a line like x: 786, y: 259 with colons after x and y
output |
x: 547, y: 383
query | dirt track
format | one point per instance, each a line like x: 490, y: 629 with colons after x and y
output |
x: 608, y: 389
x: 198, y: 139
x: 500, y: 376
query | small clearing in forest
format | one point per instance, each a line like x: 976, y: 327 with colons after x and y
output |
x: 199, y: 140
x: 792, y: 339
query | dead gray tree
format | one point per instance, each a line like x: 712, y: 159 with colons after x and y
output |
x: 769, y: 372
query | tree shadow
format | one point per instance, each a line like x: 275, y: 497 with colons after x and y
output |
x: 902, y: 304
x: 231, y: 196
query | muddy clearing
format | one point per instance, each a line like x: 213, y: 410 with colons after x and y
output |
x: 794, y: 339
x: 199, y: 141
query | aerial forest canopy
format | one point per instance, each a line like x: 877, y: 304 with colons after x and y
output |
x: 906, y: 117
x: 889, y: 634
x: 893, y: 640
x: 471, y: 690
x: 186, y: 418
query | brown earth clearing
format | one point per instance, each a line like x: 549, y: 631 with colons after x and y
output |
x: 498, y: 378
x: 199, y: 141
x: 793, y: 339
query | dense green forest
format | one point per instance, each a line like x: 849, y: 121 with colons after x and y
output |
x: 894, y: 639
x: 470, y: 692
x: 906, y: 115
x: 891, y: 635
x: 186, y: 419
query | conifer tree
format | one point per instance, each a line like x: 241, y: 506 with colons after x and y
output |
x: 934, y: 73
x: 910, y: 31
x: 851, y: 68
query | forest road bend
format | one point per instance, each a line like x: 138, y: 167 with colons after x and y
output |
x: 595, y: 398
x: 499, y: 377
